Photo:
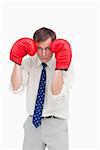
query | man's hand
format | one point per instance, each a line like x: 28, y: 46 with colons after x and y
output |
x: 63, y: 53
x: 21, y: 48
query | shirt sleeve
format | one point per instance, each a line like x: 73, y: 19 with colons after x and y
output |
x: 68, y: 77
x: 25, y: 77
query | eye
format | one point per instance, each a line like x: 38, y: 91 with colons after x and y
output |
x: 47, y: 48
x: 40, y: 48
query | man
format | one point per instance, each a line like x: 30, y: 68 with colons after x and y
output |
x: 47, y: 74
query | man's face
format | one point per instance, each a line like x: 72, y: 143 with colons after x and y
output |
x: 43, y: 50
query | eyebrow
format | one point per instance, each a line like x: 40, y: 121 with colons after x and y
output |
x: 42, y: 48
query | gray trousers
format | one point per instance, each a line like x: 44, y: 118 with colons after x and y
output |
x: 53, y: 134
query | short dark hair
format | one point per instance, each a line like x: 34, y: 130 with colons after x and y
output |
x: 43, y: 34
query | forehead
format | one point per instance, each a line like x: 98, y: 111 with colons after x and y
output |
x: 44, y: 43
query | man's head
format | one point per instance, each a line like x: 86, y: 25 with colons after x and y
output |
x: 44, y: 38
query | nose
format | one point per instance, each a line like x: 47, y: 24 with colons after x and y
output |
x: 44, y: 52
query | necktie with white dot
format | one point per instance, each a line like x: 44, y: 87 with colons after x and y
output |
x: 40, y: 98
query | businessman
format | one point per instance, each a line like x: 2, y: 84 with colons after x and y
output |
x: 47, y: 75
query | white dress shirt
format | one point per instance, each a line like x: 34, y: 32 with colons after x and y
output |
x: 56, y: 105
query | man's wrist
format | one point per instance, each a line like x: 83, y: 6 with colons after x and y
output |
x: 61, y: 69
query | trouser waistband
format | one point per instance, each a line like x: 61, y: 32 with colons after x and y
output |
x: 46, y: 116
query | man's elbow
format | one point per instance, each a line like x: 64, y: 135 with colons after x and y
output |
x: 16, y: 86
x: 55, y: 91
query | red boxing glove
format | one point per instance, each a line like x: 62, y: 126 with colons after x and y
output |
x: 21, y: 48
x: 63, y: 53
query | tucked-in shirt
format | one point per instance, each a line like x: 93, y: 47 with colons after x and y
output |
x: 57, y: 105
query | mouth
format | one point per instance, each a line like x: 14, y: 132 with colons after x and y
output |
x: 43, y: 58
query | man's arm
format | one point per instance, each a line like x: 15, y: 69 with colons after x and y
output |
x: 16, y: 77
x: 63, y: 55
x: 57, y: 82
x: 20, y: 48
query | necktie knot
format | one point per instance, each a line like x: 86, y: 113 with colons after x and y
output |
x: 44, y: 65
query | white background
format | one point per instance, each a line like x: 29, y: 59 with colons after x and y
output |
x: 78, y: 22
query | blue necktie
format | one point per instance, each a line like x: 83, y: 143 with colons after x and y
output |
x: 40, y: 98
